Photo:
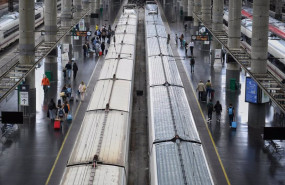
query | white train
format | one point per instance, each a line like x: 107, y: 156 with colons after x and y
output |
x: 276, y: 46
x: 176, y: 152
x: 9, y: 24
x: 100, y: 153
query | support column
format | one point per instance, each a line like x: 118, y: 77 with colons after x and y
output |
x: 77, y: 4
x: 233, y: 68
x: 259, y: 50
x: 190, y: 7
x: 86, y: 6
x: 197, y: 11
x: 27, y: 48
x: 66, y: 17
x: 93, y: 12
x: 217, y: 25
x: 185, y: 8
x: 278, y: 9
x: 50, y: 14
x: 206, y: 11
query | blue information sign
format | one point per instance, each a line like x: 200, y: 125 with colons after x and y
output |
x: 251, y: 90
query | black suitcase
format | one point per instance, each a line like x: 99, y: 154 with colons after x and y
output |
x: 71, y: 98
x: 204, y: 96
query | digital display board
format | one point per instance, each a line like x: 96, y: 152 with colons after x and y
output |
x: 251, y: 90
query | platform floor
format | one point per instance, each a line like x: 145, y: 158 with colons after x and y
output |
x: 242, y: 151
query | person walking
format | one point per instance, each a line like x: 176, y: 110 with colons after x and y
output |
x: 85, y: 49
x: 191, y: 45
x: 218, y: 109
x: 52, y: 110
x: 82, y: 90
x: 168, y: 38
x: 210, y: 108
x: 200, y: 89
x: 181, y: 39
x: 45, y: 83
x: 176, y: 39
x: 75, y: 69
x: 68, y: 68
x: 66, y: 108
x: 192, y: 63
x: 60, y: 113
x: 186, y: 48
x: 103, y: 47
x: 231, y: 113
x: 208, y: 88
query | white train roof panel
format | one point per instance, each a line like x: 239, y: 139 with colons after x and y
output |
x: 126, y: 38
x: 130, y: 29
x: 166, y: 123
x: 123, y: 90
x: 127, y: 21
x: 112, y: 149
x: 171, y: 165
x: 151, y: 19
x: 153, y: 46
x: 119, y: 97
x: 154, y: 30
x: 104, y: 175
x: 125, y: 51
x: 122, y: 68
x: 155, y: 70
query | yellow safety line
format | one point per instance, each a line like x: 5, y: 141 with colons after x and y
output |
x: 62, y: 145
x: 213, y: 142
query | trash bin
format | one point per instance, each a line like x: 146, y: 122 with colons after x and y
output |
x: 49, y: 75
x: 233, y: 84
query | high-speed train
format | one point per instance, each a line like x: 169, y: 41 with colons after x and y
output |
x: 276, y: 46
x: 175, y: 149
x: 9, y: 24
x: 100, y: 153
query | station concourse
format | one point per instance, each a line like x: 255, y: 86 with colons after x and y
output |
x: 37, y: 154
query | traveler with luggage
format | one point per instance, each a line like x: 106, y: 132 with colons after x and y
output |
x: 200, y: 89
x: 45, y: 83
x: 231, y: 113
x: 218, y: 109
x: 60, y: 113
x: 82, y: 90
x: 52, y: 110
x: 210, y: 108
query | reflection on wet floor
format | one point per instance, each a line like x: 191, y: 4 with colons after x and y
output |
x: 247, y: 158
x: 30, y: 152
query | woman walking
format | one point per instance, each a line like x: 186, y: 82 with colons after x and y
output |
x: 52, y: 110
x: 82, y: 90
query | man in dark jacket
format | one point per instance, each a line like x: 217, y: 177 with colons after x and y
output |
x: 68, y: 67
x: 75, y: 69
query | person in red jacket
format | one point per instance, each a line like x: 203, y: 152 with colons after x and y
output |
x: 45, y: 83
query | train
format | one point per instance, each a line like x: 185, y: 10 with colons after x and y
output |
x: 276, y: 46
x: 100, y: 153
x: 9, y: 24
x: 175, y: 149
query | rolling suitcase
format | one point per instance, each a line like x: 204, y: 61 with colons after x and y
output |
x: 204, y: 96
x: 56, y: 124
x: 234, y: 124
x: 71, y: 98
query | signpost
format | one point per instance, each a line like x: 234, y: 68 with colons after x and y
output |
x: 200, y: 37
x: 24, y: 95
x: 83, y: 33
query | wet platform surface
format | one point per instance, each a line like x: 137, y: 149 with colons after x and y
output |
x: 243, y: 152
x: 28, y: 156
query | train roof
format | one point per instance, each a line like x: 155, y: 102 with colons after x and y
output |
x: 104, y: 175
x: 188, y: 168
x: 8, y: 18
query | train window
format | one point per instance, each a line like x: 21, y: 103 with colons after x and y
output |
x: 37, y: 16
x: 11, y: 31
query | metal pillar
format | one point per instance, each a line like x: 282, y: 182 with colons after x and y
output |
x: 185, y: 8
x: 233, y: 69
x: 206, y: 11
x: 77, y: 4
x: 27, y: 47
x: 278, y: 9
x: 217, y: 25
x: 197, y: 10
x: 93, y: 12
x: 259, y: 50
x: 86, y: 5
x: 66, y: 17
x: 50, y: 14
x: 190, y: 7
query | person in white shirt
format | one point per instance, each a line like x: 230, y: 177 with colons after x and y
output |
x: 191, y: 45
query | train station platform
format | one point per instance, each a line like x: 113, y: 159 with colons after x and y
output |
x: 245, y: 157
x: 30, y: 154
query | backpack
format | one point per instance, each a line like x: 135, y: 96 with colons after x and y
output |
x: 230, y: 110
x: 60, y: 112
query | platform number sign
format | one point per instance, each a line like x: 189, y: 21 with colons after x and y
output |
x: 24, y: 95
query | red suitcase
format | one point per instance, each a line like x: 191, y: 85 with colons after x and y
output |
x: 56, y: 124
x: 100, y: 53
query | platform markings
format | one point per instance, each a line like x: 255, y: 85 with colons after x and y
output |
x: 63, y: 143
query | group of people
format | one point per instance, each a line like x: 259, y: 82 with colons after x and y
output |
x: 67, y: 70
x: 59, y: 111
